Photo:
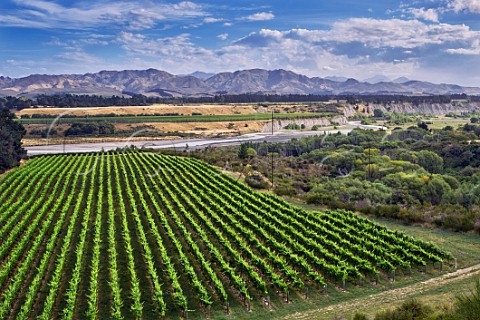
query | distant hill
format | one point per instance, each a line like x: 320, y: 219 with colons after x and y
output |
x: 201, y: 75
x: 377, y: 79
x: 160, y: 83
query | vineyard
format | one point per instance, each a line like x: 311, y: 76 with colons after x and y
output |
x: 143, y: 236
x: 178, y: 118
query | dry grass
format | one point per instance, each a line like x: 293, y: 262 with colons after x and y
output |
x: 209, y: 128
x: 206, y: 129
x: 204, y: 109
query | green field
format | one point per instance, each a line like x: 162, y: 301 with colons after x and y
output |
x: 143, y: 236
x: 180, y: 118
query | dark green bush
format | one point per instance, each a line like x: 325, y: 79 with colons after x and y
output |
x: 256, y: 183
x: 360, y: 316
x: 409, y: 310
x: 468, y: 305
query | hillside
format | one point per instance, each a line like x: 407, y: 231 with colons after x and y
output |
x: 161, y: 83
x: 139, y: 235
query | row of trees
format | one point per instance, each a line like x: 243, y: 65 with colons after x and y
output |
x: 129, y: 99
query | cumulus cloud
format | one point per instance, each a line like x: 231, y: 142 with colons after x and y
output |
x: 474, y: 49
x: 370, y: 33
x: 353, y: 48
x: 223, y: 36
x: 465, y: 5
x: 179, y: 54
x: 425, y: 14
x: 260, y: 16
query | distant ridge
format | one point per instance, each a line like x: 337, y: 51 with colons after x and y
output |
x: 160, y: 83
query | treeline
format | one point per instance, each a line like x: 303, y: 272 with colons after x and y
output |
x: 415, y: 100
x: 70, y: 100
x: 15, y: 103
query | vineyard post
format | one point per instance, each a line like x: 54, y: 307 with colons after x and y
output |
x: 359, y: 280
x: 376, y: 279
x: 343, y: 283
x: 209, y: 311
x: 268, y: 301
x: 393, y: 275
x: 325, y: 288
x: 227, y: 308
x: 306, y: 293
x: 288, y: 296
x: 441, y: 266
x: 454, y: 264
x: 249, y: 306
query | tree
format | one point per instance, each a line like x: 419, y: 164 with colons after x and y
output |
x: 11, y: 134
x: 242, y: 152
x: 436, y: 190
x: 423, y: 125
x: 251, y: 153
x: 431, y: 161
x: 378, y: 113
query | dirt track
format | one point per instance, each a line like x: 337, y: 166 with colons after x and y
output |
x: 389, y: 295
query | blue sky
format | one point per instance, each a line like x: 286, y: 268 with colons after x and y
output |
x: 433, y: 40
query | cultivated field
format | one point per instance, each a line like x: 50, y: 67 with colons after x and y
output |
x: 139, y: 235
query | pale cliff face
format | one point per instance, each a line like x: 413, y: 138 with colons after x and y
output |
x: 422, y: 108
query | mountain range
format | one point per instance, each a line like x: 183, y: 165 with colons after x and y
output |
x: 160, y: 83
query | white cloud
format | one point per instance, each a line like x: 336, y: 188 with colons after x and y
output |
x: 87, y: 15
x: 260, y: 16
x: 78, y: 56
x: 228, y: 24
x: 388, y: 47
x: 212, y: 20
x: 428, y: 14
x: 474, y: 49
x: 465, y: 5
x: 180, y: 55
x: 223, y: 36
x: 464, y: 51
x: 372, y: 33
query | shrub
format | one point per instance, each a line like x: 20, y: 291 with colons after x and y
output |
x: 292, y: 126
x: 360, y: 316
x: 457, y: 222
x: 256, y: 182
x: 468, y: 305
x: 409, y: 310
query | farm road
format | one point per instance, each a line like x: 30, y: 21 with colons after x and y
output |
x: 389, y: 295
